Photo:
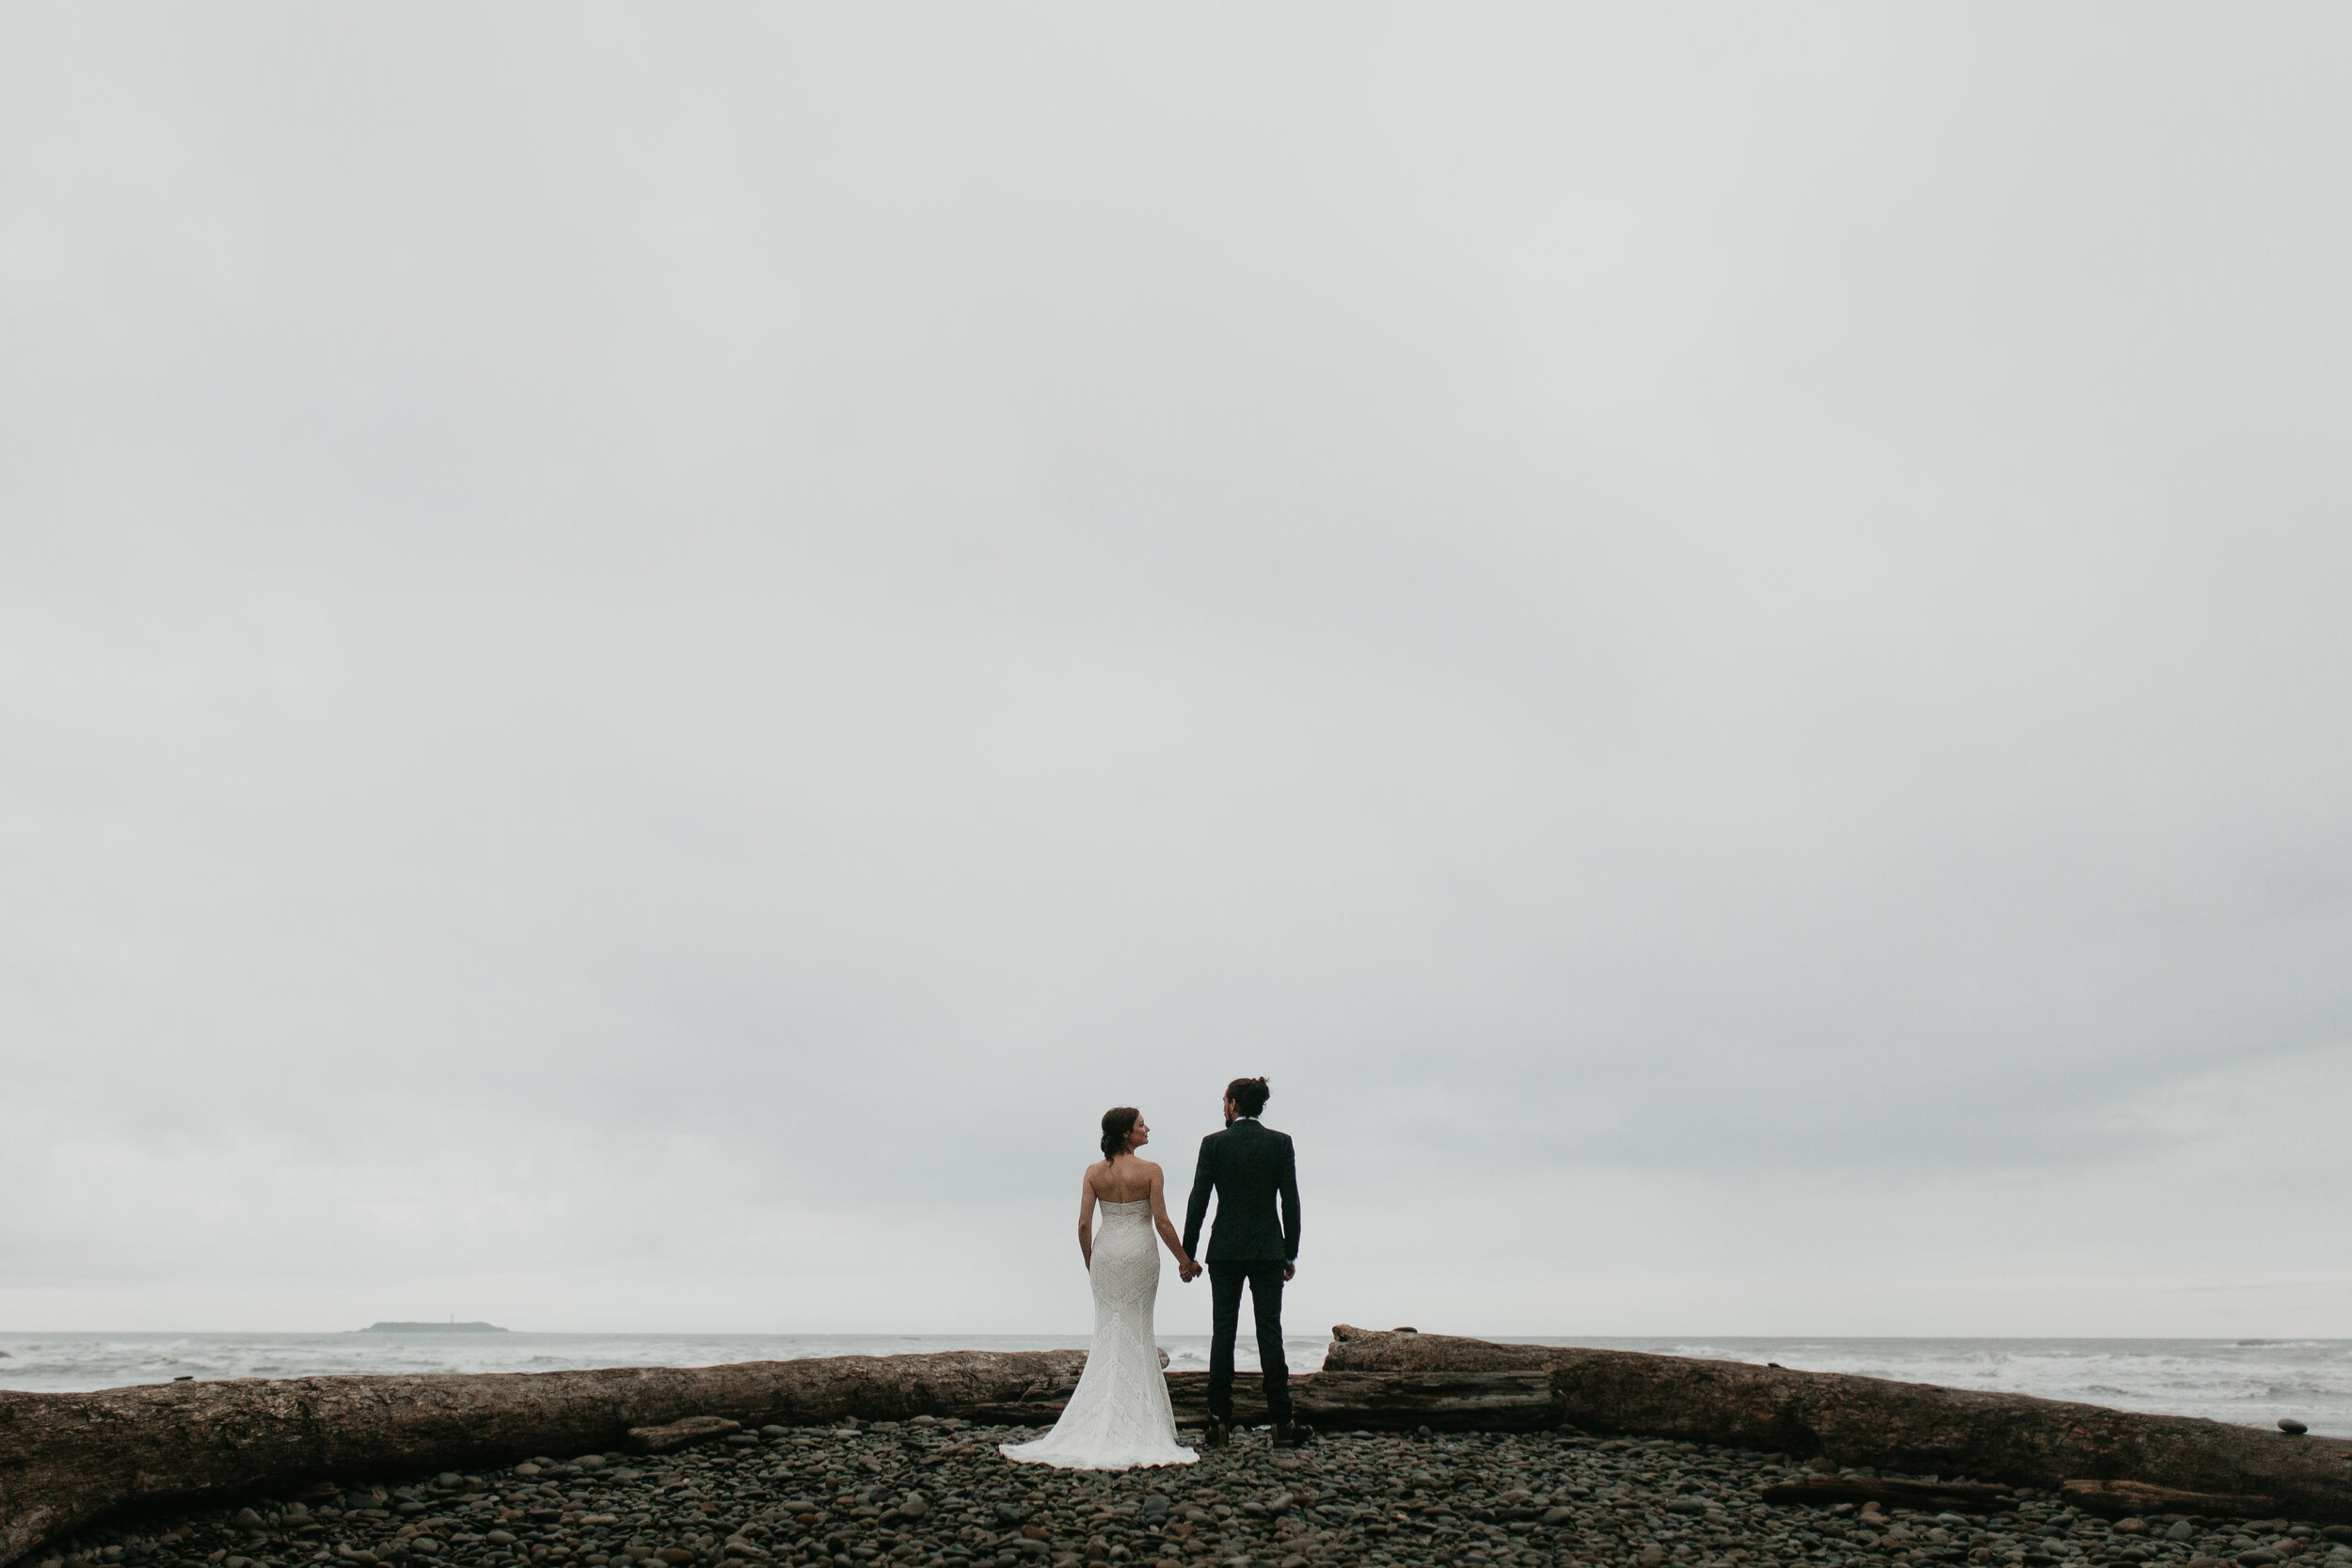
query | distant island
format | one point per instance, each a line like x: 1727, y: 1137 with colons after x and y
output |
x: 431, y: 1328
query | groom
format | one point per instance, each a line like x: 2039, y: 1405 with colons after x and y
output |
x: 1246, y: 1165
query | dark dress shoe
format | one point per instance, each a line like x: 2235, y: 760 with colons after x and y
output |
x: 1292, y: 1434
x: 1212, y: 1436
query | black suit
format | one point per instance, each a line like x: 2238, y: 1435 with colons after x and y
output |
x: 1247, y: 1166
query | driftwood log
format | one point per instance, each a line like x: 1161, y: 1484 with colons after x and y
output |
x: 2121, y: 1499
x: 2115, y: 1498
x: 67, y: 1459
x: 661, y: 1439
x: 1916, y: 1427
x: 1348, y: 1402
x: 1817, y: 1491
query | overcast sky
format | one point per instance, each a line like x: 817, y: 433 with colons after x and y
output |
x: 645, y: 655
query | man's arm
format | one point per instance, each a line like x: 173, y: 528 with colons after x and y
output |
x: 1197, y: 1209
x: 1290, y: 1202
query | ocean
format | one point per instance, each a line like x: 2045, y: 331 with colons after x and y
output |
x: 2253, y: 1382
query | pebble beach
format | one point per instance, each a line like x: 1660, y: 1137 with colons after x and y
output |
x: 937, y: 1494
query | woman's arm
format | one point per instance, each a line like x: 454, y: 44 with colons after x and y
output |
x: 1187, y: 1269
x: 1086, y: 1218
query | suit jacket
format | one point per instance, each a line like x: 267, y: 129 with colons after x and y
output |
x: 1247, y: 1166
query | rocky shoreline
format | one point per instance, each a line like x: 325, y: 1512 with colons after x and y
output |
x: 935, y: 1493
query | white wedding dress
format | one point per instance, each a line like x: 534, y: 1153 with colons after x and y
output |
x: 1118, y: 1416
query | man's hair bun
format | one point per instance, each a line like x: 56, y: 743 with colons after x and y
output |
x: 1251, y: 1094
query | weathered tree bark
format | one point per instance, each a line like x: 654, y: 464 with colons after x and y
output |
x: 1814, y: 1491
x: 695, y: 1429
x: 2122, y: 1498
x: 1904, y: 1426
x: 1400, y: 1401
x: 1350, y: 1401
x: 66, y: 1459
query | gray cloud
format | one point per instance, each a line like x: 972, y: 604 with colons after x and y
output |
x: 645, y: 658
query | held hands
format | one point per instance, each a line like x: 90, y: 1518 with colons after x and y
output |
x: 1188, y: 1271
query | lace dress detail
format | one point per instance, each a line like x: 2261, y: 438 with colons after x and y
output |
x: 1118, y: 1415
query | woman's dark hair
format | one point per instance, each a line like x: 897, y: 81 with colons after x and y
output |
x: 1251, y: 1094
x: 1117, y: 1123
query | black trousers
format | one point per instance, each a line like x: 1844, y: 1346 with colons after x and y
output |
x: 1266, y: 1297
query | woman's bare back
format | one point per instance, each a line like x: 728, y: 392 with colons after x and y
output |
x: 1125, y: 1180
x: 1122, y: 1180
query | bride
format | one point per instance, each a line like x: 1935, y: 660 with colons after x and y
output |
x: 1119, y: 1415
